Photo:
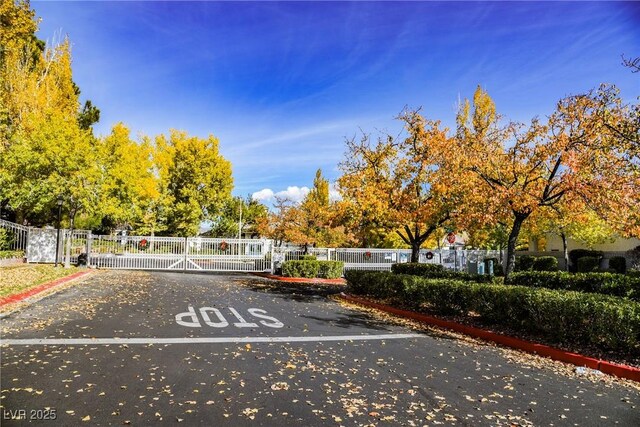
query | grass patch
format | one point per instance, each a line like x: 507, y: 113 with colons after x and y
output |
x: 20, y: 278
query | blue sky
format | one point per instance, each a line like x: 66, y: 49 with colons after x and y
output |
x: 283, y: 83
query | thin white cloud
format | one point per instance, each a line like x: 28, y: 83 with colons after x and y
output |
x: 263, y: 195
x: 295, y: 194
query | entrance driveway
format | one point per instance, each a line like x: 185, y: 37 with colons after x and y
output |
x: 139, y: 348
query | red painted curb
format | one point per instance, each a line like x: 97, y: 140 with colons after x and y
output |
x: 302, y: 279
x: 34, y: 291
x: 622, y: 371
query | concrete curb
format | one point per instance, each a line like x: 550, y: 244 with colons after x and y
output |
x: 315, y: 281
x: 622, y: 371
x: 41, y: 288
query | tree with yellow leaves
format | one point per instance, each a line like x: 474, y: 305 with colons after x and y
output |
x: 127, y: 184
x: 45, y: 154
x: 196, y: 177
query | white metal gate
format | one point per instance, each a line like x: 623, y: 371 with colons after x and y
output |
x: 179, y: 253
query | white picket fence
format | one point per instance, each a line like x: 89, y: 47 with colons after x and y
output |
x: 383, y: 259
x: 216, y: 254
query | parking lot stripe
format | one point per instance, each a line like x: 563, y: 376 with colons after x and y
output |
x: 202, y: 340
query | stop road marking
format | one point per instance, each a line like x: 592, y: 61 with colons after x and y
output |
x: 214, y: 318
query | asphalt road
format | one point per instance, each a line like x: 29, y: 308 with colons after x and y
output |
x: 132, y: 348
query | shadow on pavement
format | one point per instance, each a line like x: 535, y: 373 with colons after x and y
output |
x: 353, y: 319
x: 299, y: 292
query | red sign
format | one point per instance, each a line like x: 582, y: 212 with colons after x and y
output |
x: 451, y: 238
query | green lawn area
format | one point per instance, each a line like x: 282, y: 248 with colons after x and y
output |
x: 19, y: 278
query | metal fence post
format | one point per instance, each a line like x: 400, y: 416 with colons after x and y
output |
x: 186, y: 253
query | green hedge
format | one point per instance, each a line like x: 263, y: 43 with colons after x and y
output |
x: 619, y: 264
x: 545, y: 263
x: 576, y: 254
x: 524, y: 263
x: 602, y: 283
x: 532, y: 263
x: 330, y: 269
x: 311, y: 268
x: 562, y: 316
x: 436, y: 271
x: 308, y: 258
x: 588, y: 264
x: 308, y: 269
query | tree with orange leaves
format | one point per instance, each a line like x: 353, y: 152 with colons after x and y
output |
x: 392, y: 183
x: 528, y: 169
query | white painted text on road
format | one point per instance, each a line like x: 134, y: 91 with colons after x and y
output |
x: 215, y: 318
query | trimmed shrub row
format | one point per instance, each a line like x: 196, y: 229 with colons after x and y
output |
x: 310, y: 268
x: 588, y: 264
x: 619, y: 264
x: 601, y: 283
x: 545, y: 263
x: 562, y: 316
x: 436, y: 271
x: 532, y: 263
x: 576, y: 254
x: 524, y: 263
x: 330, y: 269
x: 582, y: 261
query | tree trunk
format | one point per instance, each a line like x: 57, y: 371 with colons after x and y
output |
x: 511, y: 243
x: 415, y: 251
x: 565, y: 252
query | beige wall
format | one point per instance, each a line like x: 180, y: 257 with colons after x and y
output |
x: 554, y: 243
